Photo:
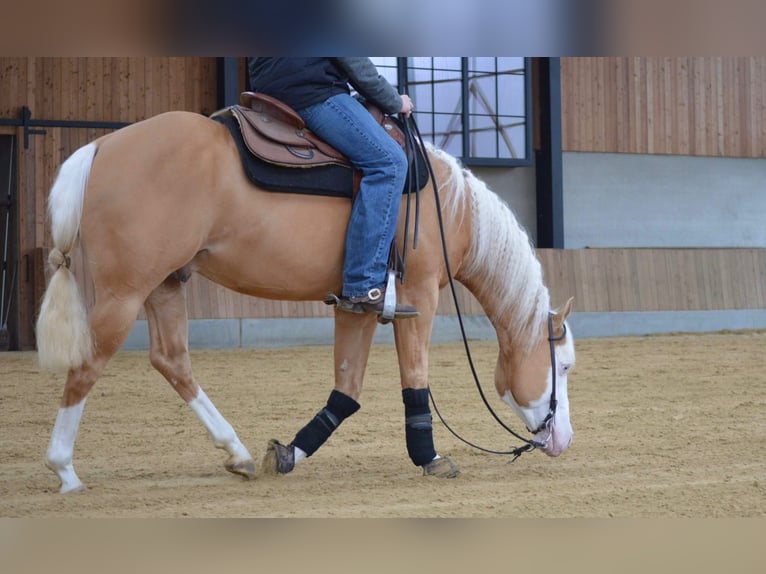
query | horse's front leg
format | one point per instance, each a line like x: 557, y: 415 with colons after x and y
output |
x: 413, y: 339
x: 353, y: 338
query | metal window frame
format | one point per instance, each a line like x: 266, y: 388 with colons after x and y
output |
x: 466, y: 157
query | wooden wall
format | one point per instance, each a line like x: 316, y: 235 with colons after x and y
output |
x: 687, y: 106
x: 656, y: 279
x: 106, y: 89
x: 82, y: 89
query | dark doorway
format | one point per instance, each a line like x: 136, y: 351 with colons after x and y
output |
x: 9, y: 249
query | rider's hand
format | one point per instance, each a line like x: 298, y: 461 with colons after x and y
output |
x: 407, y: 106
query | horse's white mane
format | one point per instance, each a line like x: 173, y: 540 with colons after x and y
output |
x: 501, y: 262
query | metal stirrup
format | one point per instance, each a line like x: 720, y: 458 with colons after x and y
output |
x: 389, y: 300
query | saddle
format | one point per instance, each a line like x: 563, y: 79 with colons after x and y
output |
x: 273, y: 140
x: 275, y: 132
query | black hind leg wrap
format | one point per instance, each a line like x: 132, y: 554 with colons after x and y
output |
x: 417, y: 426
x: 339, y: 407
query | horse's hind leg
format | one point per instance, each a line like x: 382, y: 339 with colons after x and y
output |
x: 169, y: 354
x: 110, y: 323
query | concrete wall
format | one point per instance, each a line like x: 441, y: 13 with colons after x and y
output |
x: 517, y: 187
x: 628, y: 200
x: 625, y: 200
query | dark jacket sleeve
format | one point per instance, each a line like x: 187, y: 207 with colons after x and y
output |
x: 364, y: 77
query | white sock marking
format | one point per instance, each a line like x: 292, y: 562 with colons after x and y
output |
x: 299, y: 454
x: 61, y: 446
x: 220, y: 430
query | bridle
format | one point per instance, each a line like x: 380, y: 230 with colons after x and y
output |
x: 548, y: 420
x: 547, y: 423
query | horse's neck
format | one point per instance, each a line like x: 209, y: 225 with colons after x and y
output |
x: 502, y: 271
x: 517, y: 318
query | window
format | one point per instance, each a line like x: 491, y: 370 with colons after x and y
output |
x: 475, y: 108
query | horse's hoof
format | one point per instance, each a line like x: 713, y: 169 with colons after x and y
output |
x: 279, y: 459
x: 244, y: 468
x: 79, y: 489
x: 441, y: 467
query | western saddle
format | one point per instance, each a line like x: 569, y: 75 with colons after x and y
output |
x: 274, y: 132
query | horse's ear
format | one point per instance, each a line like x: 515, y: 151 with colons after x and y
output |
x: 561, y: 316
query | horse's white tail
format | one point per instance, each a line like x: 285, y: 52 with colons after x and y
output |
x: 63, y: 335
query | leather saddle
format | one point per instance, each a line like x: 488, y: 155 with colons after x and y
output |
x: 273, y: 139
x: 275, y: 132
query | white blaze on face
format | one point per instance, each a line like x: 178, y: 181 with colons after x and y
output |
x: 557, y: 437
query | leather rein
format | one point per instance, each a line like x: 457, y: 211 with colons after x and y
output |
x: 411, y: 140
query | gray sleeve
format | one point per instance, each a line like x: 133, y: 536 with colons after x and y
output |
x: 364, y: 77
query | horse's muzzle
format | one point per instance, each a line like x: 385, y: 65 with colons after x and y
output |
x: 556, y: 439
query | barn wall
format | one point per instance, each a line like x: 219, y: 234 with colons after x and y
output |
x: 106, y: 89
x: 683, y: 106
x: 664, y: 152
x: 82, y: 89
x: 657, y: 279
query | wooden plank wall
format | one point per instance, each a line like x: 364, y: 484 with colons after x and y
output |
x: 686, y: 106
x: 106, y: 89
x: 656, y: 279
x: 83, y: 89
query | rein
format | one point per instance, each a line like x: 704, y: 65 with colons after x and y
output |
x: 547, y: 423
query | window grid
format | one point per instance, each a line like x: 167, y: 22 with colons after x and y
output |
x: 459, y: 103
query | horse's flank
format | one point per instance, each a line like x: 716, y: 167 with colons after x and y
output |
x: 197, y: 197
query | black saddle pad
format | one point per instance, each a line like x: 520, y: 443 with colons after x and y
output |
x: 329, y: 180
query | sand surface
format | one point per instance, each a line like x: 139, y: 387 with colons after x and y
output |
x: 665, y: 426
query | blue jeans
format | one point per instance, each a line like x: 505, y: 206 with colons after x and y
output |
x: 347, y: 126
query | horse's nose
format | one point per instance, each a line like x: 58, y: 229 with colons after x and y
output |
x: 555, y: 448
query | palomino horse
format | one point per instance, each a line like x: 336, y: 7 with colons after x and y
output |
x: 165, y: 197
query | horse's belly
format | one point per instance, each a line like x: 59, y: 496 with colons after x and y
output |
x: 281, y: 253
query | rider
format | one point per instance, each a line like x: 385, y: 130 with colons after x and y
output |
x: 318, y: 90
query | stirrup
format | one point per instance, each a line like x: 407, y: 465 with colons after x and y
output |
x: 376, y: 306
x: 389, y: 300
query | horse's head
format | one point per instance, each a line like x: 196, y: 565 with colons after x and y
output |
x: 529, y: 380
